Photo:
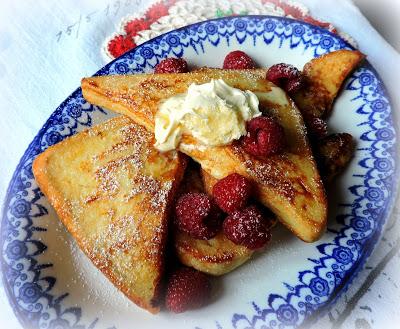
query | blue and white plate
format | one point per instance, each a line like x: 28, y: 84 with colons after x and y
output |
x: 51, y: 284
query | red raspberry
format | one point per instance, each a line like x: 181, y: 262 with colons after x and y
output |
x: 316, y: 127
x: 172, y: 65
x: 247, y: 227
x: 286, y: 76
x: 232, y: 192
x: 187, y: 289
x: 265, y: 137
x: 198, y: 215
x: 238, y: 60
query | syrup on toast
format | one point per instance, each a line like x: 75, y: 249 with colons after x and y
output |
x: 324, y: 76
x: 216, y: 256
x: 112, y: 190
x: 289, y: 184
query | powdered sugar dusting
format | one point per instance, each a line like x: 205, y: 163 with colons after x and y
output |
x: 117, y: 209
x: 269, y: 173
x: 158, y: 192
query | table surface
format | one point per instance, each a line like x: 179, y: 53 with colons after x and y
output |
x: 367, y: 304
x: 384, y: 17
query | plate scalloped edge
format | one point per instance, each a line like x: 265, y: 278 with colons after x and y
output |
x: 362, y: 223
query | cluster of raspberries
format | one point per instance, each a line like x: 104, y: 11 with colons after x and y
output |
x: 202, y: 217
x: 229, y: 209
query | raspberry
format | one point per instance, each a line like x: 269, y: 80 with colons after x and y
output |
x: 247, y: 227
x: 265, y: 137
x: 198, y: 215
x: 232, y: 192
x: 316, y: 127
x: 187, y: 289
x: 172, y: 65
x: 238, y: 60
x: 285, y: 76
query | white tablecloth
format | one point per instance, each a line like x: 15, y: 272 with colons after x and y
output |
x: 47, y: 46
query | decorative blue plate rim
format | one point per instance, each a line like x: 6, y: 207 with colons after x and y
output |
x: 285, y: 313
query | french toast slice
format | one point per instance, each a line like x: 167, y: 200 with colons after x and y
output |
x: 334, y: 152
x: 324, y: 77
x: 289, y: 183
x: 216, y: 256
x: 112, y: 190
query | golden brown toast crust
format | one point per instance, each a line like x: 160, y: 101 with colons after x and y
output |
x: 288, y: 184
x: 139, y: 96
x: 216, y: 256
x: 112, y: 190
x: 324, y: 77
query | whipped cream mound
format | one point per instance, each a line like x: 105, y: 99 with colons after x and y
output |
x: 213, y: 112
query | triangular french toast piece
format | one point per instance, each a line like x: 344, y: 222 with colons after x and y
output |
x: 289, y: 184
x: 112, y: 190
x: 324, y: 76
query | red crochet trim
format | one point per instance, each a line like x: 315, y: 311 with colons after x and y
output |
x: 136, y: 25
x: 157, y: 11
x: 124, y: 42
x: 313, y: 21
x: 120, y: 44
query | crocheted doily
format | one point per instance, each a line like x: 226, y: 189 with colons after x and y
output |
x: 168, y: 15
